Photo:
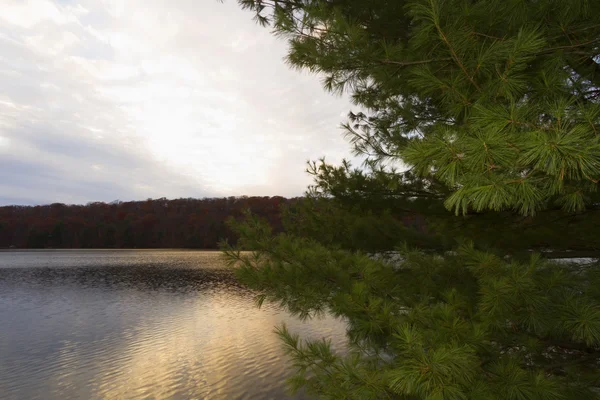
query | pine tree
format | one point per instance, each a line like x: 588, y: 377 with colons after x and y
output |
x: 493, y: 106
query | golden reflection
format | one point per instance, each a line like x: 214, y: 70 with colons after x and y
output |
x: 152, y: 333
x: 209, y: 346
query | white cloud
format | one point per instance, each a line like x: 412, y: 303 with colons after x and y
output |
x: 28, y: 13
x: 128, y: 99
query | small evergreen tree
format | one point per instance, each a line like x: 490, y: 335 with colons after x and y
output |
x: 493, y: 105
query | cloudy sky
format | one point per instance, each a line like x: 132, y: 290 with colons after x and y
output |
x: 129, y: 99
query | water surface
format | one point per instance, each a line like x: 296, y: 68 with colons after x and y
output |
x: 106, y: 324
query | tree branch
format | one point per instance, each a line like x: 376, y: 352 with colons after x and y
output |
x: 568, y: 363
x: 418, y: 62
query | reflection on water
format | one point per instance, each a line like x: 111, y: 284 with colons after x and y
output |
x: 137, y: 324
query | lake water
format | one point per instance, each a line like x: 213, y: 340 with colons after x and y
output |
x: 106, y: 324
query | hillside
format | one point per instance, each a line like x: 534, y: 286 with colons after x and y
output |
x: 159, y: 223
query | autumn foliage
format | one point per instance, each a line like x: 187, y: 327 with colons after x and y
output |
x: 158, y: 223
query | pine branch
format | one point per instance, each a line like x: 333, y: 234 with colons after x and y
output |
x: 535, y: 113
x: 426, y: 195
x: 576, y: 361
x: 589, y: 62
x: 551, y: 222
x: 566, y: 345
x: 566, y: 33
x: 418, y: 62
x: 488, y: 36
x: 452, y: 51
x: 571, y: 46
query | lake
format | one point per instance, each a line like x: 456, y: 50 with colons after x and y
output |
x: 138, y: 324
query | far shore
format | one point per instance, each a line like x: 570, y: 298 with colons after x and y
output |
x: 548, y: 253
x: 105, y: 248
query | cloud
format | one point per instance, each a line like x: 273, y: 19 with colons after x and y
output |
x: 128, y: 99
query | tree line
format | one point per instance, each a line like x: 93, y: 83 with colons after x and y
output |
x: 158, y: 223
x: 373, y: 223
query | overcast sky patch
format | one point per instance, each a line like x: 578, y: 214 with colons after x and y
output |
x: 112, y: 99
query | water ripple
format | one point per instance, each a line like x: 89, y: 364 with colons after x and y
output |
x: 138, y: 325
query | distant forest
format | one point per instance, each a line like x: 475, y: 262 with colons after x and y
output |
x: 159, y: 223
x: 200, y: 224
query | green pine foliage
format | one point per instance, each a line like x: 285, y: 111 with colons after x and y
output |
x: 356, y: 210
x: 468, y: 325
x: 493, y: 109
x: 497, y: 99
x: 374, y: 208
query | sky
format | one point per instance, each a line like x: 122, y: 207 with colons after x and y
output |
x: 104, y: 100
